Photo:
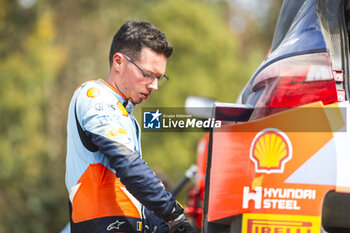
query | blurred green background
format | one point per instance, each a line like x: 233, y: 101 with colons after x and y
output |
x: 49, y: 47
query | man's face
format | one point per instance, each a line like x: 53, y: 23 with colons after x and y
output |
x: 134, y: 85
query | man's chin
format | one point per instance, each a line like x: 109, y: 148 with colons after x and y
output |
x: 137, y: 101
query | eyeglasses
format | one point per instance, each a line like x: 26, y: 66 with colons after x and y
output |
x: 149, y: 76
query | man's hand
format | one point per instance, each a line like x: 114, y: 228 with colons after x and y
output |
x: 177, y: 221
x: 180, y: 225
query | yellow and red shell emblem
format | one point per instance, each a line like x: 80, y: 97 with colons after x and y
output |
x: 93, y: 92
x: 270, y: 151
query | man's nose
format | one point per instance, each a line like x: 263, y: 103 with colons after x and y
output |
x: 153, y: 85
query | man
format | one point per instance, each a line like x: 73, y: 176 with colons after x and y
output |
x: 111, y: 189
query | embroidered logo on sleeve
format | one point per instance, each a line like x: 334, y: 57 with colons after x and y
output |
x: 115, y: 132
x: 114, y: 226
x: 93, y: 92
x: 139, y: 226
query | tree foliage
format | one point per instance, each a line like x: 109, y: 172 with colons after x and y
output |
x: 49, y: 47
x: 28, y: 191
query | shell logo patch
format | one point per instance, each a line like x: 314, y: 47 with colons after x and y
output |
x: 122, y: 109
x: 93, y: 92
x: 270, y: 151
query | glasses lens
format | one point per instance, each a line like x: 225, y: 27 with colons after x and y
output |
x: 162, y: 80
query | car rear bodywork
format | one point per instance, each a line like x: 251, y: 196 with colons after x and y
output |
x: 278, y: 164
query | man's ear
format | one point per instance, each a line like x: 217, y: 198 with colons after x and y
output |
x: 117, y: 61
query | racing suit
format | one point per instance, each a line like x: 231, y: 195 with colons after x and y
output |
x: 105, y: 174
